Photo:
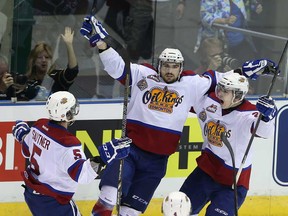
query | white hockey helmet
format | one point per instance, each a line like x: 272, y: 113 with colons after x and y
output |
x: 235, y: 82
x: 62, y: 106
x: 176, y: 204
x: 171, y: 55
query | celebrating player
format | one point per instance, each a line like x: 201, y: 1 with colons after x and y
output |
x: 226, y: 110
x: 57, y: 163
x: 159, y: 105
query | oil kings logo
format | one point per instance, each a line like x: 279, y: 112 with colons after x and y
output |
x: 212, y: 131
x: 162, y: 100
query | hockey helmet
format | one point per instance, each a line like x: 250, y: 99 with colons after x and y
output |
x: 62, y: 106
x: 235, y: 82
x: 171, y: 55
x: 176, y: 203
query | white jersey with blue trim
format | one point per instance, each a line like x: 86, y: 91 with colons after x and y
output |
x: 237, y: 123
x: 157, y: 111
x: 57, y: 161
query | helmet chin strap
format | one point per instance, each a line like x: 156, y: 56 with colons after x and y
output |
x: 71, y: 123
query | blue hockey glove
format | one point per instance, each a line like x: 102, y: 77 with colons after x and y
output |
x: 93, y: 30
x: 266, y: 106
x: 115, y: 149
x: 20, y: 130
x: 86, y: 29
x: 95, y: 40
x: 252, y: 69
x: 98, y: 28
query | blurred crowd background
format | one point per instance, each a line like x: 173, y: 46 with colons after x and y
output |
x: 218, y: 35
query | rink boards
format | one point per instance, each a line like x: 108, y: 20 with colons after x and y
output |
x: 99, y: 122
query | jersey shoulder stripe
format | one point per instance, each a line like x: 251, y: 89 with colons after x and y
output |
x: 148, y: 66
x: 57, y: 133
x: 247, y: 106
x: 188, y: 73
x: 75, y: 170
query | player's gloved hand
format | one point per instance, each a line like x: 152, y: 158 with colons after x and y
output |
x: 252, y: 69
x: 115, y: 149
x: 20, y: 130
x: 93, y: 30
x: 97, y: 164
x: 266, y: 106
x: 86, y: 29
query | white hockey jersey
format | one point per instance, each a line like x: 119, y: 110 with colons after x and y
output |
x: 157, y: 111
x: 57, y: 161
x: 238, y: 124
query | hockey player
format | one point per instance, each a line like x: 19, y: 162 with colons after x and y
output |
x: 159, y: 105
x: 226, y: 110
x: 57, y: 163
x: 176, y: 203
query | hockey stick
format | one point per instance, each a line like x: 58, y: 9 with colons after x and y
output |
x: 110, y: 41
x: 124, y: 54
x: 260, y: 116
x: 227, y: 143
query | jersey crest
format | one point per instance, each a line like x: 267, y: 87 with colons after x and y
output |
x: 154, y: 77
x: 142, y: 84
x: 162, y: 100
x: 213, y: 130
x: 212, y: 108
x: 202, y: 116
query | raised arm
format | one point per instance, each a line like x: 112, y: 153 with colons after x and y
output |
x: 68, y: 40
x: 115, y: 60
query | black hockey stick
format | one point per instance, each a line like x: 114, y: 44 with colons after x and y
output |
x: 227, y: 143
x: 110, y: 41
x: 124, y: 54
x: 260, y: 116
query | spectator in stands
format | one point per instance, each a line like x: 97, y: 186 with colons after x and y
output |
x: 43, y: 77
x: 232, y: 13
x: 213, y: 56
x: 6, y: 80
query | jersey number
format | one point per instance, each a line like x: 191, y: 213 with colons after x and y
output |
x: 35, y: 166
x: 77, y: 154
x: 37, y: 150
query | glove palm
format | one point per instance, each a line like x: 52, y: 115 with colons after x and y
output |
x: 252, y: 69
x: 93, y: 30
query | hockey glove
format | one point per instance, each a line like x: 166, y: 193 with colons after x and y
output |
x: 252, y: 69
x: 20, y: 130
x: 115, y: 149
x: 266, y: 106
x: 86, y: 29
x: 93, y: 30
